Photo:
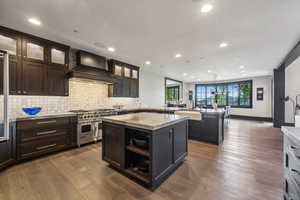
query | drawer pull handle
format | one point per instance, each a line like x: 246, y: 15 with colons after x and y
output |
x: 294, y: 148
x: 47, y: 122
x: 46, y: 132
x: 296, y: 171
x: 46, y: 147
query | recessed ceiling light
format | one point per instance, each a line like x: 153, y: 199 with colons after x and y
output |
x: 147, y: 62
x: 223, y: 44
x: 242, y: 67
x: 199, y: 79
x: 243, y: 71
x: 184, y: 74
x: 178, y: 55
x: 206, y: 8
x: 111, y: 49
x: 209, y: 71
x: 35, y: 21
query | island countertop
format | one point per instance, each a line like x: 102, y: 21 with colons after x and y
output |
x: 149, y: 121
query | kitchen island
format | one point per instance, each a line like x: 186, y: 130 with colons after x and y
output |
x: 145, y: 146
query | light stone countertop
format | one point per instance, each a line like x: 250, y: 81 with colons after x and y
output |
x: 45, y: 116
x: 149, y: 121
x: 292, y: 132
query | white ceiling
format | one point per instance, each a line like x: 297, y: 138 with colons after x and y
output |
x: 259, y: 32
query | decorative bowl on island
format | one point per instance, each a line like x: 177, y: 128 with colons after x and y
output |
x: 32, y: 110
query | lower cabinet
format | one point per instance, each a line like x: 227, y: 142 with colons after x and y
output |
x: 210, y: 129
x: 38, y: 137
x: 113, y: 141
x: 146, y: 155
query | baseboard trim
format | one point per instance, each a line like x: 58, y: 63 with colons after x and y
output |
x: 264, y: 119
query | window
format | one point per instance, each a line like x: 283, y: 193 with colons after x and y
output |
x: 201, y: 95
x: 172, y: 93
x: 221, y: 95
x: 233, y: 94
x: 238, y: 94
x: 210, y: 98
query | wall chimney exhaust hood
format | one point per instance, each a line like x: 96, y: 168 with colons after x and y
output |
x: 91, y: 66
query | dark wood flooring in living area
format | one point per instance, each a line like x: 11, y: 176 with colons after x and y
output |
x: 247, y: 166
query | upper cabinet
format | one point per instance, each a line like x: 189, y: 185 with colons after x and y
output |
x: 57, y: 56
x: 37, y: 66
x: 118, y: 70
x: 127, y: 72
x: 127, y: 76
x: 135, y: 74
x: 10, y: 42
x: 33, y: 50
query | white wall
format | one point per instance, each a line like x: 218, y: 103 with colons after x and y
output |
x: 260, y: 108
x: 292, y: 88
x: 152, y: 89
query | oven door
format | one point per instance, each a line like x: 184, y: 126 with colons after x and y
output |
x: 86, y: 133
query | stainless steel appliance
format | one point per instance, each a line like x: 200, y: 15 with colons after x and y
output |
x: 89, y: 128
x: 5, y: 136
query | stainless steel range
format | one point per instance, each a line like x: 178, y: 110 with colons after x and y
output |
x: 89, y: 128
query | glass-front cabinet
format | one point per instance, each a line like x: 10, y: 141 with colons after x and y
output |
x: 117, y: 70
x: 127, y: 72
x: 8, y: 44
x: 33, y: 51
x: 57, y: 56
x: 134, y: 74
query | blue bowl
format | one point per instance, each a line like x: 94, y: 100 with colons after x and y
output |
x: 32, y: 111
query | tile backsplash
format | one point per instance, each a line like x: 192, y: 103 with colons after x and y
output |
x: 83, y: 94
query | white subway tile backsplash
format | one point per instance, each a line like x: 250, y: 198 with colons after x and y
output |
x: 83, y: 94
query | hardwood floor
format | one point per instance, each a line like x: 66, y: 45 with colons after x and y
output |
x: 247, y: 166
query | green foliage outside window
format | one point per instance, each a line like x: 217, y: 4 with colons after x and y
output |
x: 172, y: 93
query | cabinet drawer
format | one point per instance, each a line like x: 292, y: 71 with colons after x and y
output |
x: 31, y: 149
x: 32, y: 124
x: 29, y: 135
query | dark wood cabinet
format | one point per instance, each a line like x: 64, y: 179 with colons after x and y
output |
x: 38, y: 137
x: 127, y: 76
x: 164, y: 150
x: 33, y: 76
x: 14, y: 78
x: 126, y: 87
x: 114, y: 144
x: 11, y: 42
x: 57, y: 85
x: 37, y: 66
x: 179, y: 135
x: 134, y: 88
x: 210, y: 129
